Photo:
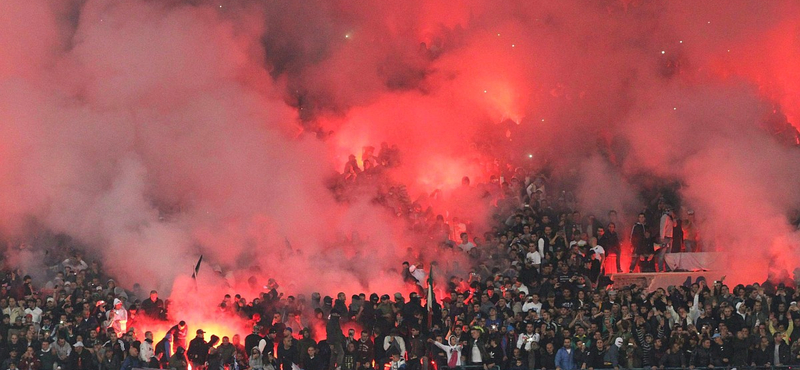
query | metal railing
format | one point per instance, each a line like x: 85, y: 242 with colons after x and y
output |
x: 782, y: 367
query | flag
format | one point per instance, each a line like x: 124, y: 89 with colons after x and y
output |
x: 197, y: 267
x: 430, y: 298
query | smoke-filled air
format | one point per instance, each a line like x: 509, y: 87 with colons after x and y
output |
x: 311, y: 142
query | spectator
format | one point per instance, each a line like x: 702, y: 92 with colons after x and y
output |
x: 80, y: 358
x: 565, y: 357
x: 198, y: 351
x: 154, y: 307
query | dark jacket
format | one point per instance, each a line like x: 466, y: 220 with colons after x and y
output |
x: 701, y: 357
x: 595, y: 358
x: 741, y: 352
x: 152, y: 309
x: 131, y: 363
x: 198, y: 351
x: 784, y: 353
x: 251, y: 341
x: 637, y: 239
x: 548, y: 360
x: 467, y: 351
x: 760, y: 357
x: 313, y: 363
x: 365, y: 351
x: 287, y: 357
x: 721, y: 354
x: 676, y: 359
x: 79, y: 361
x: 334, y: 331
x: 417, y: 347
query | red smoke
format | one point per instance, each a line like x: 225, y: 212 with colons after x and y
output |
x: 160, y: 131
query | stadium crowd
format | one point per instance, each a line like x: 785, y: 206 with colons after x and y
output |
x: 537, y: 298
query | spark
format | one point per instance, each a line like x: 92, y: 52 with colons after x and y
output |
x: 512, y: 45
x: 674, y: 108
x: 498, y: 35
x: 680, y: 41
x: 542, y: 119
x: 220, y: 6
x: 484, y: 91
x: 530, y: 155
x: 663, y: 52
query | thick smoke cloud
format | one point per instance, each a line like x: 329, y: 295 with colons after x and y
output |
x: 156, y: 131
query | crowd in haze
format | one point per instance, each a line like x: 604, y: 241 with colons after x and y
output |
x: 538, y: 297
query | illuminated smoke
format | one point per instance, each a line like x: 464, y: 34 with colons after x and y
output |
x: 153, y: 132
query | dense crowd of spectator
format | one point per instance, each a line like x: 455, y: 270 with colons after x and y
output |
x: 537, y: 298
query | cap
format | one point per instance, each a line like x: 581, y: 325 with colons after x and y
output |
x: 50, y: 299
x: 200, y: 331
x: 715, y: 336
x: 78, y: 344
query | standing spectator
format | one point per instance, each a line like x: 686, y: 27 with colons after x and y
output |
x: 288, y: 356
x: 335, y: 339
x: 179, y: 333
x: 147, y: 352
x: 198, y: 351
x: 610, y: 241
x: 564, y: 357
x: 365, y: 349
x: 666, y: 231
x: 163, y: 349
x: 132, y: 361
x: 80, y: 358
x: 28, y: 361
x: 46, y: 355
x: 780, y: 353
x: 453, y: 351
x: 118, y: 318
x: 691, y: 233
x: 311, y: 360
x: 178, y: 360
x: 62, y: 350
x: 638, y: 241
x: 153, y: 307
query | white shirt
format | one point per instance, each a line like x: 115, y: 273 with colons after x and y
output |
x: 476, y: 353
x: 667, y: 225
x: 387, y: 342
x: 417, y: 273
x: 36, y: 314
x: 524, y: 341
x: 75, y: 265
x: 777, y: 355
x: 536, y: 307
x: 521, y: 288
x: 466, y: 247
x: 534, y: 258
x: 146, y: 351
x: 598, y: 252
